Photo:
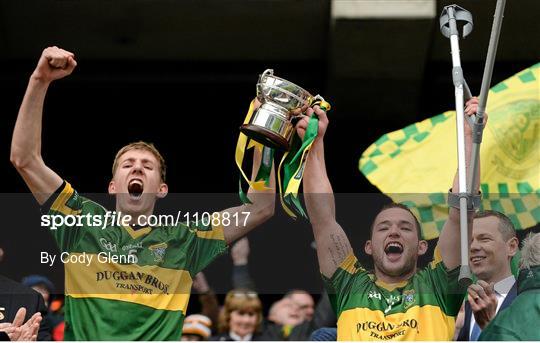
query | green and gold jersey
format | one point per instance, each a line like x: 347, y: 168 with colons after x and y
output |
x: 126, y: 284
x: 421, y: 309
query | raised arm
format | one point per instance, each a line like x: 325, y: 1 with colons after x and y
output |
x: 249, y: 216
x: 449, y: 240
x: 332, y: 243
x: 53, y: 64
x: 240, y: 271
x: 207, y: 298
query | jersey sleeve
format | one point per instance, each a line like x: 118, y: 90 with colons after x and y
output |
x: 345, y: 283
x: 204, y: 244
x: 64, y: 210
x: 444, y: 284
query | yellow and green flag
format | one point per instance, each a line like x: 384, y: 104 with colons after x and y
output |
x: 416, y: 165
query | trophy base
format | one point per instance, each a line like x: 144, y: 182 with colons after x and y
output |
x: 265, y: 137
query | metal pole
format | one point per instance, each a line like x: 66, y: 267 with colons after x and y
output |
x: 465, y: 277
x: 484, y: 91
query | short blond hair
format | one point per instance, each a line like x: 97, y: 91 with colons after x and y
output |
x: 141, y: 145
x: 240, y: 300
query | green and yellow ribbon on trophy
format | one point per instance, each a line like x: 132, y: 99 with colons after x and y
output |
x: 269, y: 128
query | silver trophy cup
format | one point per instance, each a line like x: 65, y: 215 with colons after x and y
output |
x: 281, y: 100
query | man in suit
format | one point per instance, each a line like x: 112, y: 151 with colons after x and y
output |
x: 519, y: 322
x: 21, y: 311
x: 493, y: 245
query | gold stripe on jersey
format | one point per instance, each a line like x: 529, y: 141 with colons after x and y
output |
x: 153, y: 286
x: 390, y: 286
x: 215, y: 233
x: 437, y: 258
x: 59, y: 205
x: 137, y: 233
x: 349, y: 264
x: 425, y: 323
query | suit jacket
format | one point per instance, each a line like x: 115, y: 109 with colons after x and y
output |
x: 13, y: 296
x: 466, y: 329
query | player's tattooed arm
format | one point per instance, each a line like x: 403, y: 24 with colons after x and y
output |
x: 339, y: 249
x: 54, y: 64
x: 333, y: 246
x: 332, y: 243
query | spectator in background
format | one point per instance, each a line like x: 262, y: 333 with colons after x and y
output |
x: 21, y: 312
x: 493, y: 245
x: 294, y: 317
x: 54, y: 319
x: 303, y: 301
x: 519, y: 322
x: 196, y: 328
x: 207, y: 299
x: 40, y: 284
x: 241, y: 277
x: 241, y: 317
x: 284, y: 312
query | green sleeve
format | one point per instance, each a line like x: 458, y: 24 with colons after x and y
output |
x: 66, y: 202
x: 204, y: 244
x: 344, y: 283
x: 444, y: 283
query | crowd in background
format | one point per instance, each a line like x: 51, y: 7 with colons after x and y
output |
x: 296, y: 316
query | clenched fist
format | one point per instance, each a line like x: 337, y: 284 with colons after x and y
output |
x: 54, y: 64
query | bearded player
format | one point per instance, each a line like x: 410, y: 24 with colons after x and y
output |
x: 145, y: 299
x: 397, y: 301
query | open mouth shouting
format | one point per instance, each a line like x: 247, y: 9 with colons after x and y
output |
x: 393, y: 251
x: 135, y: 188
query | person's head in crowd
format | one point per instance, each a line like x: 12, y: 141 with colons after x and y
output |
x: 493, y: 245
x: 530, y: 252
x: 241, y: 314
x: 40, y: 284
x: 196, y: 328
x: 304, y: 301
x: 396, y: 243
x: 285, y: 312
x: 1, y: 254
